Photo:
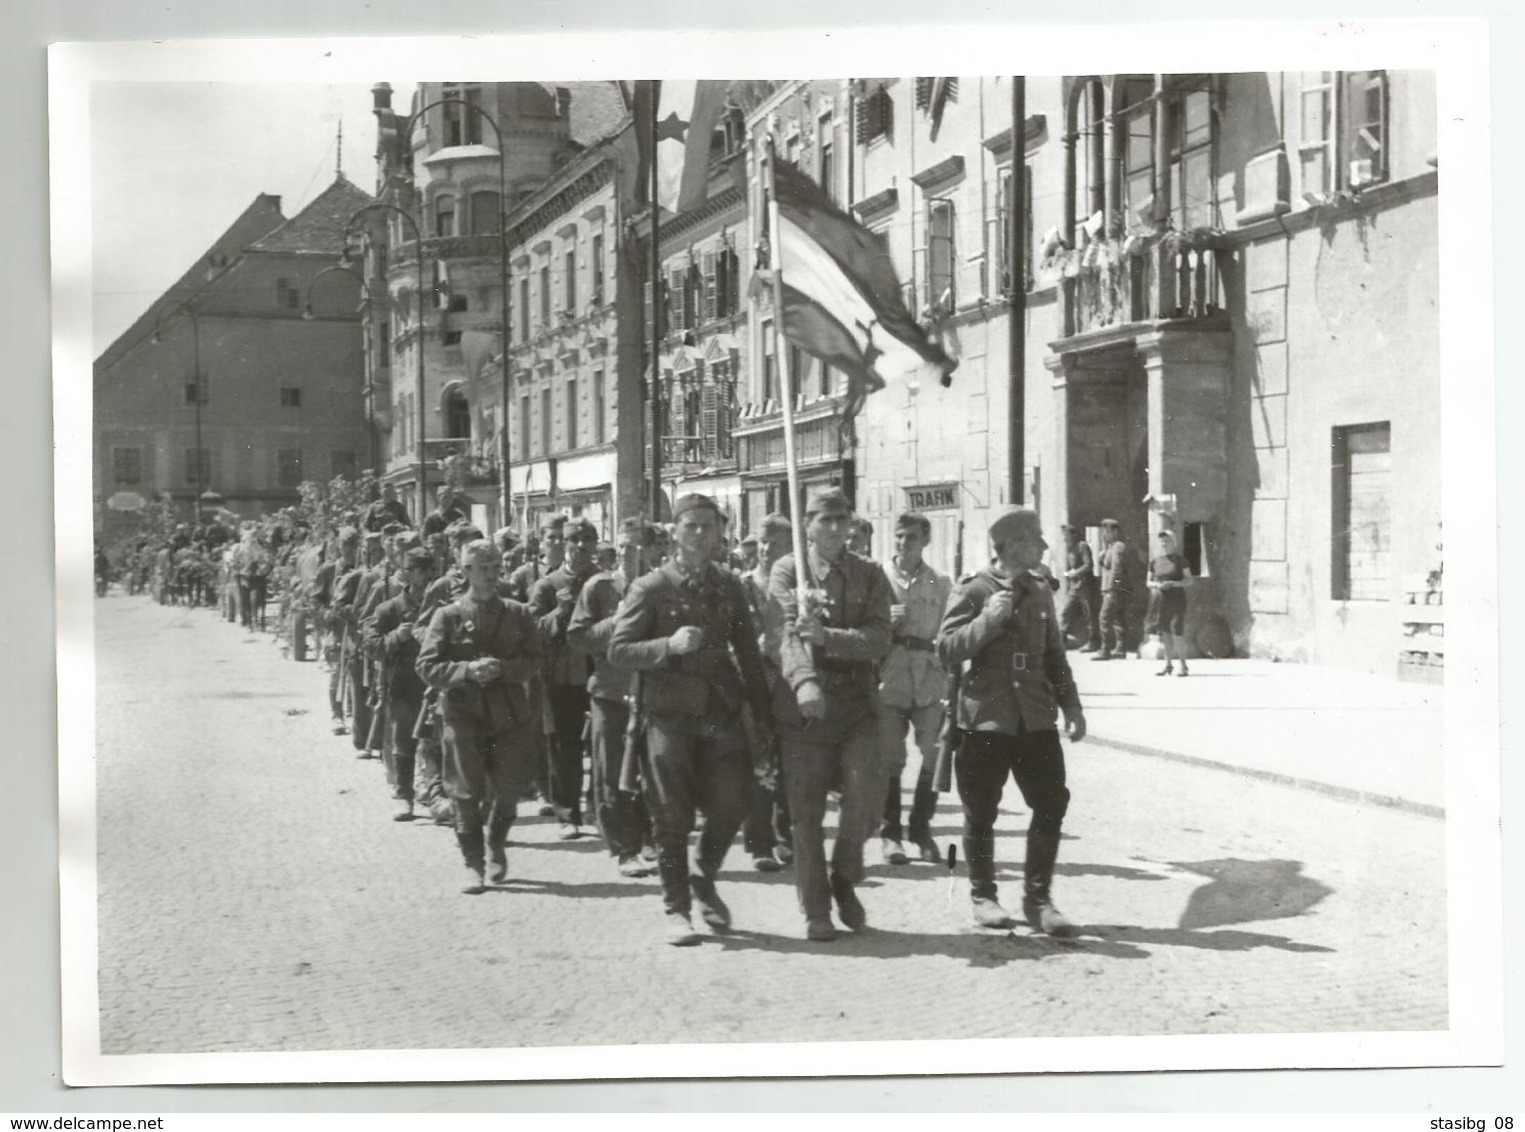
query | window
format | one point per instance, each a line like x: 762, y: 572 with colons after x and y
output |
x: 545, y: 421
x: 825, y: 168
x: 286, y: 295
x: 457, y: 415
x: 198, y: 473
x: 875, y: 117
x: 1191, y: 161
x: 721, y: 285
x: 770, y: 363
x: 940, y: 261
x: 598, y: 270
x: 1362, y: 512
x: 545, y: 295
x: 1363, y: 135
x: 571, y: 411
x: 450, y: 338
x: 524, y: 427
x: 384, y: 328
x: 569, y: 268
x: 127, y: 466
x: 444, y: 216
x: 524, y: 310
x: 1001, y: 256
x: 725, y: 399
x: 693, y: 296
x: 1137, y: 122
x: 792, y: 150
x: 341, y: 462
x: 1316, y: 141
x: 484, y: 213
x: 291, y: 397
x: 458, y: 303
x: 452, y: 115
x: 471, y: 124
x: 598, y: 409
x: 288, y: 464
x: 192, y: 388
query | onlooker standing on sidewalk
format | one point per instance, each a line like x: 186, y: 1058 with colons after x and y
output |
x: 1169, y: 578
x: 1117, y: 584
x: 912, y: 684
x: 1002, y: 622
x: 829, y: 728
x: 1082, y: 603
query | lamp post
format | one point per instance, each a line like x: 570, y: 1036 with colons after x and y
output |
x: 370, y: 377
x: 418, y: 254
x: 504, y: 496
x: 186, y: 309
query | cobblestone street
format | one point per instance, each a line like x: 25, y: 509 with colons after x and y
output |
x: 254, y: 895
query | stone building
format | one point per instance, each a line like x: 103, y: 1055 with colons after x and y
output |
x: 226, y: 352
x: 1230, y: 322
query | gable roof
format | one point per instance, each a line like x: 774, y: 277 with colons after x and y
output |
x: 262, y: 217
x: 320, y: 226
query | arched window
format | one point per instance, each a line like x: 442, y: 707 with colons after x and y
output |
x: 457, y: 415
x: 444, y: 216
x: 484, y: 213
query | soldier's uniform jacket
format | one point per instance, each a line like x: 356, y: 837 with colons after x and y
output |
x: 857, y: 623
x: 437, y: 520
x: 1017, y: 669
x: 769, y: 625
x: 389, y: 638
x: 439, y: 593
x: 713, y: 680
x: 589, y: 630
x: 386, y: 585
x: 523, y: 580
x: 1117, y: 569
x: 564, y: 666
x: 468, y: 630
x: 345, y: 595
x: 911, y: 675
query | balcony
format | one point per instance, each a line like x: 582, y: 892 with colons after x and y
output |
x: 1112, y: 283
x: 482, y: 246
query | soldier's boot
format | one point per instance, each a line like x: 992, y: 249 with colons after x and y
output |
x: 919, y: 826
x: 497, y: 849
x: 472, y: 852
x: 979, y: 855
x: 1038, y: 876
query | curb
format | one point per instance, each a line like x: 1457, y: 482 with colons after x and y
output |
x: 1329, y: 789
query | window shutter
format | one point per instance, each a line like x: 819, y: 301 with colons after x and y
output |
x: 646, y: 306
x: 676, y: 300
x: 711, y: 297
x: 861, y: 112
x: 923, y: 93
x: 952, y: 90
x: 708, y: 405
x: 886, y: 113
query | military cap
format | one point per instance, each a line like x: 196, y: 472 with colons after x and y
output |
x: 555, y: 522
x: 480, y: 550
x: 373, y: 537
x: 693, y: 501
x: 407, y: 540
x: 348, y: 536
x: 775, y: 526
x: 914, y: 519
x: 747, y: 540
x: 828, y: 499
x: 604, y: 548
x: 580, y: 530
x: 417, y: 557
x: 393, y: 529
x: 505, y: 537
x: 464, y: 533
x: 1011, y: 521
x: 1112, y: 524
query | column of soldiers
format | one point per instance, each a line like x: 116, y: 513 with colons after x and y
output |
x: 711, y: 693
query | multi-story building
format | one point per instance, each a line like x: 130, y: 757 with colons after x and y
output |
x: 809, y: 123
x: 1230, y: 319
x: 702, y: 358
x: 444, y: 270
x: 247, y: 351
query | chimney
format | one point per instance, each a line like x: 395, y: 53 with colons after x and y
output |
x: 381, y: 96
x: 563, y: 102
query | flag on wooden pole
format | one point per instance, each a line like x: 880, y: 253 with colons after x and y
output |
x: 841, y: 297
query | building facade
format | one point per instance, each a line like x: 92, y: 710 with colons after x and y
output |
x: 1230, y: 325
x: 254, y: 353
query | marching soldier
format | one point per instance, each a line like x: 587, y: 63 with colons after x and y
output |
x: 386, y: 510
x: 686, y: 628
x: 543, y: 555
x: 566, y: 671
x: 390, y: 640
x: 621, y: 817
x: 444, y: 514
x: 478, y: 653
x: 912, y: 685
x: 1001, y: 623
x: 766, y: 833
x: 829, y: 727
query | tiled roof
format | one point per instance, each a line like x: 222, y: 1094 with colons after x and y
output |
x: 320, y: 226
x: 598, y: 110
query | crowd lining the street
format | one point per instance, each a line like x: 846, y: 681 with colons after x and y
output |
x: 681, y: 668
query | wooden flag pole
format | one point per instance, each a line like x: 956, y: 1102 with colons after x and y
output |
x: 654, y: 387
x: 785, y: 380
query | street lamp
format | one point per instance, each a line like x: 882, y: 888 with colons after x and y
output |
x: 370, y: 377
x: 418, y: 254
x: 503, y: 316
x: 188, y: 310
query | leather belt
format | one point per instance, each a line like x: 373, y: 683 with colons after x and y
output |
x: 842, y: 667
x: 1022, y: 661
x: 915, y: 644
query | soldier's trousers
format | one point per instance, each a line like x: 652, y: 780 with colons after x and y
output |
x: 400, y: 749
x: 843, y: 751
x: 694, y: 763
x: 925, y: 724
x: 767, y: 824
x: 569, y: 711
x: 1114, y: 629
x: 1081, y: 616
x: 1036, y: 760
x: 622, y: 819
x: 484, y: 772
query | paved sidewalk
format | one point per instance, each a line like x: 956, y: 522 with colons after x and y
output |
x: 1350, y: 734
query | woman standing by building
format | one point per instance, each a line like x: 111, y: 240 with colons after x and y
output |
x: 1169, y: 579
